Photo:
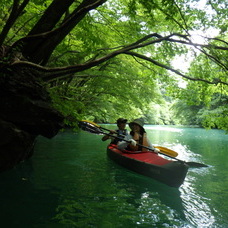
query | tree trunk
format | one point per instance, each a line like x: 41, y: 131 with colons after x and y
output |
x: 41, y: 41
x: 51, y: 17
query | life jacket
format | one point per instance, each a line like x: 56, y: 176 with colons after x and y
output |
x: 121, y: 134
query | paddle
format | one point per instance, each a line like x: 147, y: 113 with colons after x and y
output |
x: 96, y: 129
x: 161, y: 148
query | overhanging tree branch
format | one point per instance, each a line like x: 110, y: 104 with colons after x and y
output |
x: 46, y: 41
x: 52, y: 73
x: 173, y: 70
x: 198, y: 45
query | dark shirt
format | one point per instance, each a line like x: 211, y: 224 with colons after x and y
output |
x: 120, y: 134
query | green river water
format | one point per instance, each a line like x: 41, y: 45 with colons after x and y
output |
x: 70, y: 182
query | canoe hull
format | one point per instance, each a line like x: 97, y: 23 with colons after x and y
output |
x: 171, y: 173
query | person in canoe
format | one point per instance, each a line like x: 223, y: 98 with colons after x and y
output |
x: 121, y: 132
x: 137, y: 136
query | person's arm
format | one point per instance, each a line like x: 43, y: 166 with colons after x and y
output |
x: 105, y: 138
x: 123, y: 144
x: 108, y: 136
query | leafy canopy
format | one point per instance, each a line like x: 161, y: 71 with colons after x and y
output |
x: 116, y: 59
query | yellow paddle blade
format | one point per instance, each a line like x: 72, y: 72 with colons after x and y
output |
x: 91, y: 123
x: 167, y: 151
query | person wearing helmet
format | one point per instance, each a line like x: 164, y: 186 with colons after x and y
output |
x: 121, y: 132
x: 137, y: 136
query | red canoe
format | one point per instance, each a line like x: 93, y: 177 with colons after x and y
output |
x: 150, y: 164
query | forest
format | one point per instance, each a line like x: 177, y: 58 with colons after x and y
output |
x: 63, y: 61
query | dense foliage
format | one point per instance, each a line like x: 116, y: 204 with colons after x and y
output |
x: 106, y: 59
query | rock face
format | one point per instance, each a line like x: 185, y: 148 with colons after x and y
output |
x: 25, y: 113
x: 16, y: 145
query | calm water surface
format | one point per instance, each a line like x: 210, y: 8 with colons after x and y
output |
x: 70, y: 182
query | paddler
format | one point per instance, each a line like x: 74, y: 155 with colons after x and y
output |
x: 137, y: 135
x: 121, y: 132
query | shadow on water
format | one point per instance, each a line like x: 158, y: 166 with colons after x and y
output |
x: 149, y: 197
x: 21, y: 203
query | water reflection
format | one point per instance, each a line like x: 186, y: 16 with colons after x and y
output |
x: 112, y: 196
x: 184, y: 152
x: 72, y: 183
x: 22, y: 203
x: 197, y: 209
x: 163, y: 128
x: 156, y: 203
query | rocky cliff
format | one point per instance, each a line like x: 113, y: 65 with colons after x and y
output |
x: 25, y: 112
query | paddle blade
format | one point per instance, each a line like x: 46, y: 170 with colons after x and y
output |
x: 167, y: 151
x: 89, y: 127
x: 91, y: 123
x: 196, y: 165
